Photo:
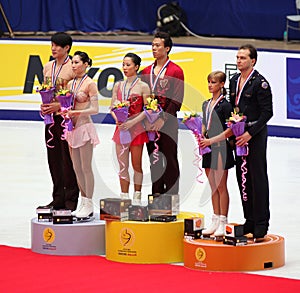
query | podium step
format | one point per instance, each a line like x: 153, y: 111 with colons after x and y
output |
x: 210, y: 255
x: 87, y: 238
x: 146, y: 242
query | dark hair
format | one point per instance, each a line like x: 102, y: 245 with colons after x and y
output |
x: 252, y: 50
x: 84, y: 57
x: 135, y: 58
x: 62, y: 39
x: 219, y: 76
x: 167, y: 39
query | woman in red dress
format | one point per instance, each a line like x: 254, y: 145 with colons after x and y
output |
x: 134, y: 92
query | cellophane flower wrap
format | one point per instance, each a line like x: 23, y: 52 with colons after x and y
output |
x: 121, y: 110
x: 152, y: 111
x: 194, y: 122
x: 65, y: 98
x: 46, y: 91
x: 237, y: 124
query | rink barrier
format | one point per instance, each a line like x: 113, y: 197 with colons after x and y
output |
x: 105, y: 118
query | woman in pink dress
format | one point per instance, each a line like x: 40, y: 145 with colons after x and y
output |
x: 83, y: 138
x: 135, y: 92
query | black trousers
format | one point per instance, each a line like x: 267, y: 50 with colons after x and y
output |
x: 165, y: 171
x: 256, y: 208
x: 65, y: 189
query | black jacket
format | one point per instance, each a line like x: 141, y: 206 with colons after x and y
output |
x: 255, y: 101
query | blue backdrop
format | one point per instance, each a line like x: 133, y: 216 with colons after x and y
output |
x: 233, y: 18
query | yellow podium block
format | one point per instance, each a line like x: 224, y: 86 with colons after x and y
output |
x: 146, y: 242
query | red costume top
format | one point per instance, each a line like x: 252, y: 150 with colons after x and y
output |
x: 169, y: 89
x: 138, y: 133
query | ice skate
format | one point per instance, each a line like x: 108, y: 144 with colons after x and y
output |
x: 137, y: 198
x: 220, y: 231
x: 80, y: 206
x: 206, y: 233
x: 86, y: 212
x: 124, y: 195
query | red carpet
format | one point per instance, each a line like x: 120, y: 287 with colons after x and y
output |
x: 25, y: 271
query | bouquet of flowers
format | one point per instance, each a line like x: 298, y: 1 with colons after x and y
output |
x: 46, y: 91
x: 152, y: 111
x: 65, y: 99
x: 121, y: 111
x: 194, y: 122
x: 237, y: 124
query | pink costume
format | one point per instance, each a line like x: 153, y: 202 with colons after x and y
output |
x: 84, y: 129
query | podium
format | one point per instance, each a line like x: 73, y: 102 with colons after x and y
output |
x: 146, y: 242
x: 209, y: 255
x: 86, y: 238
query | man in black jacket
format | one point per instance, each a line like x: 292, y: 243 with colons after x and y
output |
x: 250, y: 94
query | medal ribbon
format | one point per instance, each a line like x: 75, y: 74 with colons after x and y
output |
x: 238, y: 93
x: 210, y: 111
x: 75, y: 89
x: 124, y: 95
x: 153, y: 83
x: 55, y: 75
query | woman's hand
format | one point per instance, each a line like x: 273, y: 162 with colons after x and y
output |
x: 204, y: 142
x: 126, y: 125
x: 147, y: 125
x: 70, y: 113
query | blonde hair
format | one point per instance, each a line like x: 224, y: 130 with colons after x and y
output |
x: 220, y: 76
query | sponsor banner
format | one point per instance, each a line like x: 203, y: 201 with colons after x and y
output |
x: 293, y: 88
x: 274, y: 67
x: 22, y: 63
x: 24, y: 74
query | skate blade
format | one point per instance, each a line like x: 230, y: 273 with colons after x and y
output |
x: 82, y: 220
x: 207, y: 237
x: 219, y: 238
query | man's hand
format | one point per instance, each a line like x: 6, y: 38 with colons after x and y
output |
x: 243, y: 139
x: 50, y: 108
x: 157, y: 125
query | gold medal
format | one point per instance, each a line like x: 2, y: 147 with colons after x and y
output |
x: 236, y: 109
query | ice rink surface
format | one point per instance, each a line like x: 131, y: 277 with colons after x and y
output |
x: 25, y: 183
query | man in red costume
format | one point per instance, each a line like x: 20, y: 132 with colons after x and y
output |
x: 166, y: 81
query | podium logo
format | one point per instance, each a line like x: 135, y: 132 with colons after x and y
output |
x: 127, y: 237
x: 49, y: 235
x: 200, y: 254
